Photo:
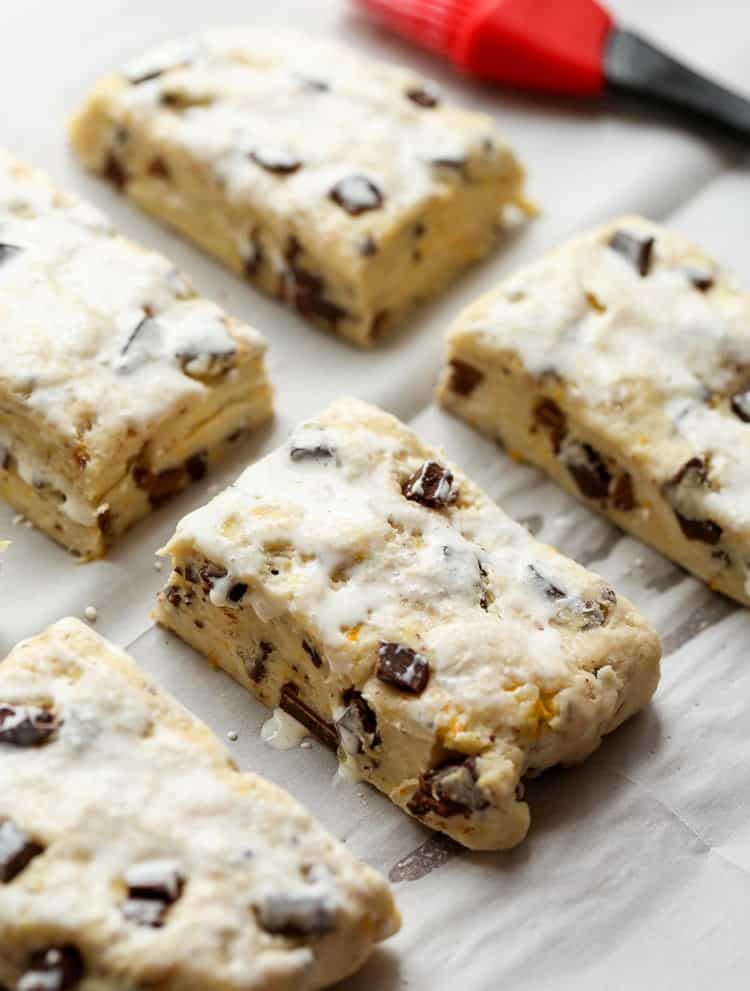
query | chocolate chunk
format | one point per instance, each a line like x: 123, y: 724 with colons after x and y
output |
x: 104, y: 522
x: 26, y: 725
x: 114, y: 172
x: 8, y: 251
x: 637, y: 248
x: 153, y: 885
x: 587, y: 468
x: 402, y: 667
x: 291, y: 703
x: 457, y: 163
x: 158, y: 168
x: 427, y: 95
x: 4, y: 457
x: 197, y: 465
x: 551, y: 590
x: 623, y: 496
x: 431, y: 485
x: 740, y: 403
x: 159, y: 485
x: 312, y: 654
x: 172, y: 595
x: 275, y: 160
x: 296, y: 914
x: 367, y: 246
x: 17, y: 850
x: 357, y: 725
x: 449, y: 790
x: 549, y: 417
x: 357, y: 194
x: 56, y: 968
x: 464, y: 377
x: 237, y: 592
x: 308, y: 290
x: 155, y: 880
x: 254, y: 257
x: 256, y: 669
x: 313, y: 452
x: 700, y: 279
x: 706, y: 531
x: 313, y: 84
x: 691, y: 476
x: 210, y: 572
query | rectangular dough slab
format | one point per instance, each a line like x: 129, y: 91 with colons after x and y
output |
x: 343, y: 186
x: 364, y: 585
x: 119, y: 384
x: 621, y: 365
x: 133, y: 854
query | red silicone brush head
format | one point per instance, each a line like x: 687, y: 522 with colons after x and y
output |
x: 553, y: 45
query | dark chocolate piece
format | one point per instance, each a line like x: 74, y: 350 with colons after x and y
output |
x: 256, y: 666
x: 155, y: 880
x: 701, y: 279
x: 308, y: 290
x: 114, y: 171
x: 449, y: 790
x: 464, y: 377
x: 237, y: 592
x: 316, y: 452
x: 172, y: 595
x: 313, y: 654
x: 357, y: 194
x: 291, y: 703
x: 56, y: 968
x: 144, y: 912
x: 160, y: 485
x: 8, y: 251
x: 402, y: 667
x: 197, y: 465
x: 17, y: 850
x: 427, y: 95
x: 740, y: 403
x: 158, y: 169
x: 358, y: 724
x: 637, y: 248
x: 431, y: 485
x: 549, y: 417
x: 26, y: 725
x: 587, y: 468
x: 296, y: 914
x: 275, y: 160
x: 623, y: 495
x: 551, y: 590
x: 692, y: 475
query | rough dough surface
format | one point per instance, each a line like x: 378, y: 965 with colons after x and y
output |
x: 343, y: 186
x: 133, y: 854
x: 621, y: 365
x: 118, y: 383
x: 370, y: 589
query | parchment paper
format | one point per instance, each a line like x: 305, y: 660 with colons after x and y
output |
x: 636, y: 871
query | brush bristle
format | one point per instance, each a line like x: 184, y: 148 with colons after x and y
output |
x: 430, y: 23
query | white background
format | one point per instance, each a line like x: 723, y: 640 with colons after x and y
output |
x: 637, y: 870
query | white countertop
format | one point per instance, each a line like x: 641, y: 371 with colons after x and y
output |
x: 637, y: 869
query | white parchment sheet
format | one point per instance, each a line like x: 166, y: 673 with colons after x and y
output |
x: 636, y: 873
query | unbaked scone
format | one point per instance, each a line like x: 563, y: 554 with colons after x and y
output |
x: 133, y: 854
x: 343, y: 186
x: 620, y: 364
x: 119, y: 384
x: 362, y: 583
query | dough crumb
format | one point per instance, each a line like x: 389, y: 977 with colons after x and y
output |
x: 232, y: 735
x: 90, y: 613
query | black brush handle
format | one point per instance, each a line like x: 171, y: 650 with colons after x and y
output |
x: 635, y: 67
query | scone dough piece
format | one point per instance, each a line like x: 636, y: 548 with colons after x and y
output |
x: 362, y: 583
x: 343, y: 186
x: 620, y: 364
x: 119, y: 384
x: 133, y: 854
